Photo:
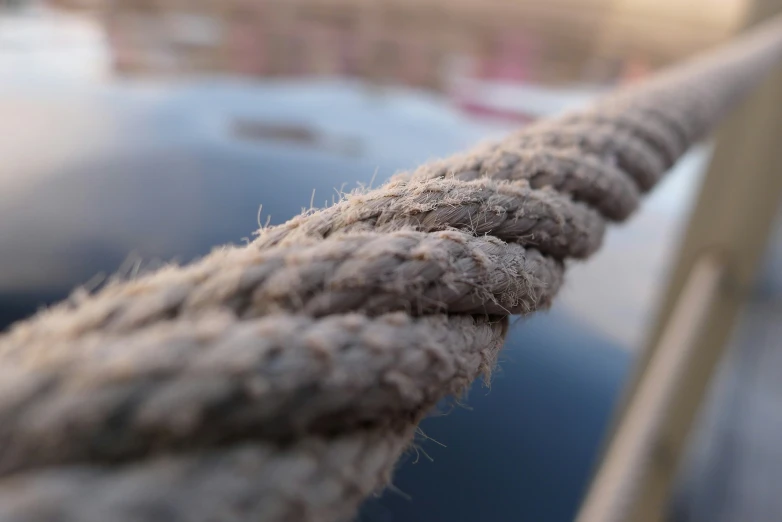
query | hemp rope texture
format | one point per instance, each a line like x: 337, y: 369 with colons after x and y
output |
x: 281, y: 381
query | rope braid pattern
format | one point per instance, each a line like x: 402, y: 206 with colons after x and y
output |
x: 281, y: 381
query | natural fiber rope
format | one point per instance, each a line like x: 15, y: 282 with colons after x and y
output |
x: 317, y: 480
x: 213, y: 380
x: 281, y: 381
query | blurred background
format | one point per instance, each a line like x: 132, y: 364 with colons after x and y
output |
x: 136, y: 132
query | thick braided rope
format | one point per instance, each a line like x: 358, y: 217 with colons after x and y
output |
x: 212, y: 380
x: 282, y: 380
x: 318, y: 480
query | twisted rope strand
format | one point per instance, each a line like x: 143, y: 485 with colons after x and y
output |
x: 512, y: 212
x: 171, y: 382
x: 368, y: 272
x: 583, y: 177
x: 315, y: 480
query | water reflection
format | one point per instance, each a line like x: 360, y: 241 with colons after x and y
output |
x: 255, y: 130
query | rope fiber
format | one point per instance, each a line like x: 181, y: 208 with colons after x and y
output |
x: 282, y: 380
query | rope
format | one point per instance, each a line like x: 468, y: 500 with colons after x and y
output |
x: 282, y: 380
